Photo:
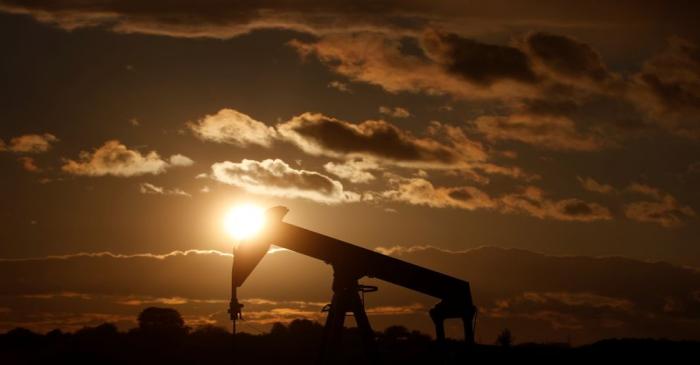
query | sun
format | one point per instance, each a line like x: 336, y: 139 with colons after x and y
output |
x: 244, y: 221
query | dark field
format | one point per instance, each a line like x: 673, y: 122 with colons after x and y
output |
x: 170, y: 342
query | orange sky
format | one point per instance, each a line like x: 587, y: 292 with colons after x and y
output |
x: 511, y: 145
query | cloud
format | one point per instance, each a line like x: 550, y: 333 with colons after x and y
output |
x: 590, y: 184
x: 396, y: 112
x: 549, y: 132
x: 29, y: 143
x: 277, y: 178
x: 538, y: 66
x: 531, y: 200
x: 111, y: 255
x: 567, y: 58
x: 479, y: 63
x: 29, y: 164
x: 230, y: 19
x: 355, y: 171
x: 340, y: 86
x: 421, y: 47
x: 148, y: 188
x: 418, y: 191
x: 221, y: 20
x: 668, y: 87
x: 380, y: 59
x: 645, y: 189
x: 114, y: 158
x: 666, y: 211
x: 233, y: 127
x: 441, y: 147
x: 559, y: 74
x: 180, y: 160
x: 318, y: 134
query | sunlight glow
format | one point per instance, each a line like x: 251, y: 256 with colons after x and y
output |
x: 244, y: 221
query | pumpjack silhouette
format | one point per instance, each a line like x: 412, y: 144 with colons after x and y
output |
x: 351, y: 263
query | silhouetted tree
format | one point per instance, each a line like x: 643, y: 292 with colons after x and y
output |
x: 304, y: 327
x: 103, y: 330
x: 279, y: 329
x: 154, y: 320
x: 505, y: 338
x: 396, y: 333
x: 210, y: 330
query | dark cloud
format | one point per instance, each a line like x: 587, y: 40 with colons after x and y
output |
x: 381, y: 59
x: 277, y: 178
x: 213, y: 18
x: 319, y: 134
x: 217, y: 19
x: 567, y: 57
x: 669, y: 87
x: 364, y: 42
x: 480, y: 63
x: 538, y: 296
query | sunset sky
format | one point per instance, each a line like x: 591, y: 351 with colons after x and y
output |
x: 546, y: 151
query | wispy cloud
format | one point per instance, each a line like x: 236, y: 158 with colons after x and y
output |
x: 148, y: 188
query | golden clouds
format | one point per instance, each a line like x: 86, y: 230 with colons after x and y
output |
x: 233, y: 127
x: 29, y: 143
x: 114, y: 158
x: 277, y: 178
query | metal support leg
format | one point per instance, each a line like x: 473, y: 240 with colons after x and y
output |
x: 364, y: 326
x: 333, y: 330
x: 439, y: 323
x: 345, y: 299
x: 469, y: 321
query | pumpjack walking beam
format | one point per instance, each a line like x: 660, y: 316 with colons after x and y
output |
x: 350, y: 263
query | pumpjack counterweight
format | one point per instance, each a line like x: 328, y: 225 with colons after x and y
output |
x: 351, y: 263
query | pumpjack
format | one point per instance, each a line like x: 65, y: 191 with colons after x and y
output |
x: 351, y: 263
